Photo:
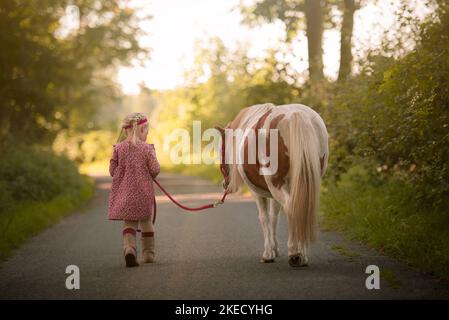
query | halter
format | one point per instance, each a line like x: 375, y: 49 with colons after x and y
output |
x: 223, y: 160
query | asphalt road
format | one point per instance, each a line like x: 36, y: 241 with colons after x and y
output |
x: 213, y: 254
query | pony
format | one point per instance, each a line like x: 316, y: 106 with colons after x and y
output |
x: 293, y: 188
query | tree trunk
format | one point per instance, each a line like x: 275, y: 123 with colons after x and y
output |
x: 314, y: 32
x: 345, y: 40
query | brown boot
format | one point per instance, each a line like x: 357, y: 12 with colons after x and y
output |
x: 129, y: 247
x: 148, y: 247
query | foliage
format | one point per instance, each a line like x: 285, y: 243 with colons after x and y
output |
x: 35, y: 174
x: 93, y: 146
x: 386, y: 216
x: 25, y: 220
x: 38, y: 188
x: 396, y: 113
x: 291, y: 13
x: 50, y: 80
x: 288, y: 12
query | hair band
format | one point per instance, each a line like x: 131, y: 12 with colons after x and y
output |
x: 138, y: 123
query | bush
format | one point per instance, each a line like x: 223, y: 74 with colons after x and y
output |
x: 93, y: 146
x: 27, y: 219
x: 6, y: 199
x: 37, y: 189
x: 35, y: 174
x: 396, y: 113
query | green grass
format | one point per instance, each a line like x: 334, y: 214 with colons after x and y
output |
x: 385, y: 216
x: 22, y: 221
x: 390, y: 278
x: 345, y: 252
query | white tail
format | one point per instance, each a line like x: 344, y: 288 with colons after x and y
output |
x: 305, y: 178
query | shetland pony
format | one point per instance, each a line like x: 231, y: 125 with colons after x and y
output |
x: 302, y: 157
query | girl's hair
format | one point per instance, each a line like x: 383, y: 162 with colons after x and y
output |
x: 131, y: 121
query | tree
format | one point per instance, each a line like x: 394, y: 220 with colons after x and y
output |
x: 347, y: 27
x: 48, y: 81
x: 314, y: 16
x: 294, y: 14
x: 394, y: 115
x: 314, y: 31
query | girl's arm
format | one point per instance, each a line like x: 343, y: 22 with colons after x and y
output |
x: 113, y: 163
x: 153, y: 163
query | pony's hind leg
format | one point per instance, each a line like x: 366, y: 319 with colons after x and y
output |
x: 297, y: 255
x: 274, y: 214
x: 269, y: 253
x: 292, y: 245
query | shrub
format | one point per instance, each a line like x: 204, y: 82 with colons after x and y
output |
x: 93, y: 146
x: 6, y: 198
x: 35, y: 174
x: 397, y: 114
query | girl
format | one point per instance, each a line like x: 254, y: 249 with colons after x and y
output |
x: 132, y: 194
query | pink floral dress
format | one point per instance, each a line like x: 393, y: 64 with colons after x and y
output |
x: 132, y: 193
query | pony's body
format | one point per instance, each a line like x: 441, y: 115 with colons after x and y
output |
x: 302, y: 155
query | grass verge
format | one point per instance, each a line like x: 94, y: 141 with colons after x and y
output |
x: 345, y: 252
x: 25, y: 220
x: 390, y: 278
x: 385, y: 216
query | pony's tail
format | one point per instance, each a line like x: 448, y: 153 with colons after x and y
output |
x: 305, y: 179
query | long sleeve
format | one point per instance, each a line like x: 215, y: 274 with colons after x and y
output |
x: 153, y: 163
x: 113, y: 163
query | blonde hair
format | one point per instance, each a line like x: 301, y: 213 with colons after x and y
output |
x: 131, y: 120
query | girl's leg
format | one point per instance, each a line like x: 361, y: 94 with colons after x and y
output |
x: 129, y: 243
x: 146, y: 226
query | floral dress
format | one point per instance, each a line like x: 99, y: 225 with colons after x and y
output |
x: 132, y: 193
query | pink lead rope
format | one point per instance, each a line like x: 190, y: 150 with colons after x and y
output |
x: 207, y: 206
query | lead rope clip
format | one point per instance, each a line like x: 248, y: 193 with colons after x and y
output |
x: 217, y: 203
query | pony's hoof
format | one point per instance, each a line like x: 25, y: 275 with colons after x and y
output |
x: 297, y: 260
x: 264, y: 260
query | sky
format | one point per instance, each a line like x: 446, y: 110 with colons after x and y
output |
x: 177, y: 25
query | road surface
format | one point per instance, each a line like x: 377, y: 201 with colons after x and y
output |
x: 212, y: 254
